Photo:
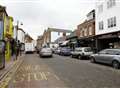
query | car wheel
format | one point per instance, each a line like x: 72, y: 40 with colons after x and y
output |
x: 116, y: 64
x: 92, y: 59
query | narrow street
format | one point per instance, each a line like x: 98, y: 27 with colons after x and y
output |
x: 63, y: 72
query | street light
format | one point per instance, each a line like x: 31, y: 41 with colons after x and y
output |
x: 17, y: 28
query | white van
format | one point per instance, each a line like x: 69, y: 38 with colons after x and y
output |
x: 29, y: 47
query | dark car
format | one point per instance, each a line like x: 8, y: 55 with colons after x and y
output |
x: 65, y: 51
x: 108, y: 56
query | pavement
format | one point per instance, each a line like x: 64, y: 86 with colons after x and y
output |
x: 8, y: 70
x: 62, y: 72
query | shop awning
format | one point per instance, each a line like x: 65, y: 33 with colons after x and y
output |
x: 65, y: 43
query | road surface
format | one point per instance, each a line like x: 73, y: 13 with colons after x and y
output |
x: 63, y: 72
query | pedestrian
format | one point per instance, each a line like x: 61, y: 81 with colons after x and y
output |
x: 13, y: 49
x: 18, y: 48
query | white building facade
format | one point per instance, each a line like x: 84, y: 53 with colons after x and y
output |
x: 108, y: 23
x: 21, y: 37
x: 107, y: 16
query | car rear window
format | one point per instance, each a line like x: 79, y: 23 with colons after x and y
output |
x: 78, y: 49
x: 87, y: 49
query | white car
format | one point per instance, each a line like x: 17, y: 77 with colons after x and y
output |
x: 82, y: 52
x: 46, y: 52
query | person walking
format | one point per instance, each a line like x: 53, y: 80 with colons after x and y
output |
x: 13, y: 49
x: 18, y: 48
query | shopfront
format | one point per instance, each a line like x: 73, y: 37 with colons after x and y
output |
x: 88, y: 42
x: 111, y: 40
x: 2, y: 46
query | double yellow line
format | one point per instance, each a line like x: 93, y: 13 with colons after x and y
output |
x: 5, y: 81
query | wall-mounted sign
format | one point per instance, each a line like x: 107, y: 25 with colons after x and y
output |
x: 1, y: 29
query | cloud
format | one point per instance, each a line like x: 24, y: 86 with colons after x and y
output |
x: 37, y: 15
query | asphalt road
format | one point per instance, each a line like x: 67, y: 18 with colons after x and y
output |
x: 63, y: 72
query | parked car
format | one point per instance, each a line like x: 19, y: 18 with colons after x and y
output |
x: 57, y: 50
x: 65, y: 51
x: 108, y: 56
x: 45, y: 52
x: 82, y: 52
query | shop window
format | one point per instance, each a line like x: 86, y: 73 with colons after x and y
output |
x: 85, y: 32
x: 111, y: 22
x: 90, y: 30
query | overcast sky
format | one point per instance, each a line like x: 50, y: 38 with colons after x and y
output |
x: 38, y: 15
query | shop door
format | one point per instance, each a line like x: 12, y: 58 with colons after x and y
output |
x: 2, y: 46
x: 2, y: 54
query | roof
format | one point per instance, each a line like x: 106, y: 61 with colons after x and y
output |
x: 65, y: 42
x: 93, y: 11
x: 21, y: 29
x: 60, y: 39
x: 59, y: 30
x: 27, y: 35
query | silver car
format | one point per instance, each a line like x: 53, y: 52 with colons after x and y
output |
x: 108, y: 56
x: 46, y: 52
x: 82, y: 52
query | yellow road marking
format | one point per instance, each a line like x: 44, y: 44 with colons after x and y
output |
x: 44, y: 76
x: 41, y: 75
x: 35, y: 76
x: 56, y: 77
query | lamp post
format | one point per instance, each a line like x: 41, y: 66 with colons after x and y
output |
x: 17, y: 28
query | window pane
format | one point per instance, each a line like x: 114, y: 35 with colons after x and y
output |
x: 114, y: 21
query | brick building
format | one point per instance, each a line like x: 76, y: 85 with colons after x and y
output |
x: 86, y: 31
